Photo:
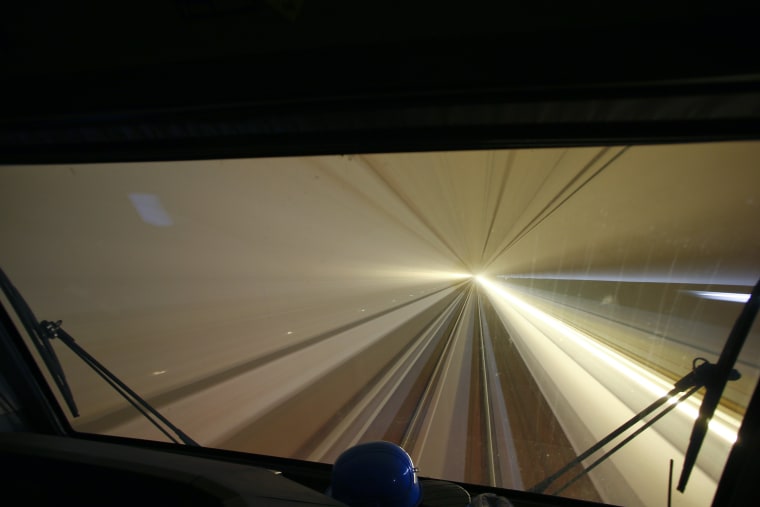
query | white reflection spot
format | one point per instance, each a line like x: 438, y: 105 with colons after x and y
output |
x: 159, y: 372
x: 733, y: 297
x: 289, y: 332
x: 151, y: 210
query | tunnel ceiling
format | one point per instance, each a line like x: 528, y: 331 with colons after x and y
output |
x: 647, y: 211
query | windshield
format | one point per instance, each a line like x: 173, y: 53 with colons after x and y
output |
x: 495, y: 313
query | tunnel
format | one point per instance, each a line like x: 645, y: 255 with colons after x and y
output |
x: 494, y: 312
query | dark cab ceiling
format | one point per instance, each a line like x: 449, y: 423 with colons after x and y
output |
x: 194, y: 78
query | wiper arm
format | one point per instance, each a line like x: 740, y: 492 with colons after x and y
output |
x: 717, y: 382
x: 54, y: 330
x: 40, y: 340
x: 43, y: 332
x: 701, y: 372
x: 713, y: 377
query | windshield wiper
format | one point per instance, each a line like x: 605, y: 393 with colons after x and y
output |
x: 40, y: 340
x: 682, y: 389
x: 713, y: 377
x: 42, y: 333
x: 718, y: 380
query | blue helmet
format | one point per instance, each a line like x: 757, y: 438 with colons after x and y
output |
x: 375, y: 474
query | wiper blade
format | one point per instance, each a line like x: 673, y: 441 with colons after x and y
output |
x: 718, y: 380
x: 682, y: 389
x: 43, y: 332
x: 713, y: 377
x: 54, y: 330
x: 40, y: 340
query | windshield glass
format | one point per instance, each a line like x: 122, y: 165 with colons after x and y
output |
x: 496, y: 313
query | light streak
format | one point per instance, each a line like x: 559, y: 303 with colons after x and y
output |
x: 722, y: 425
x: 733, y: 297
x: 638, y: 277
x: 419, y: 274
